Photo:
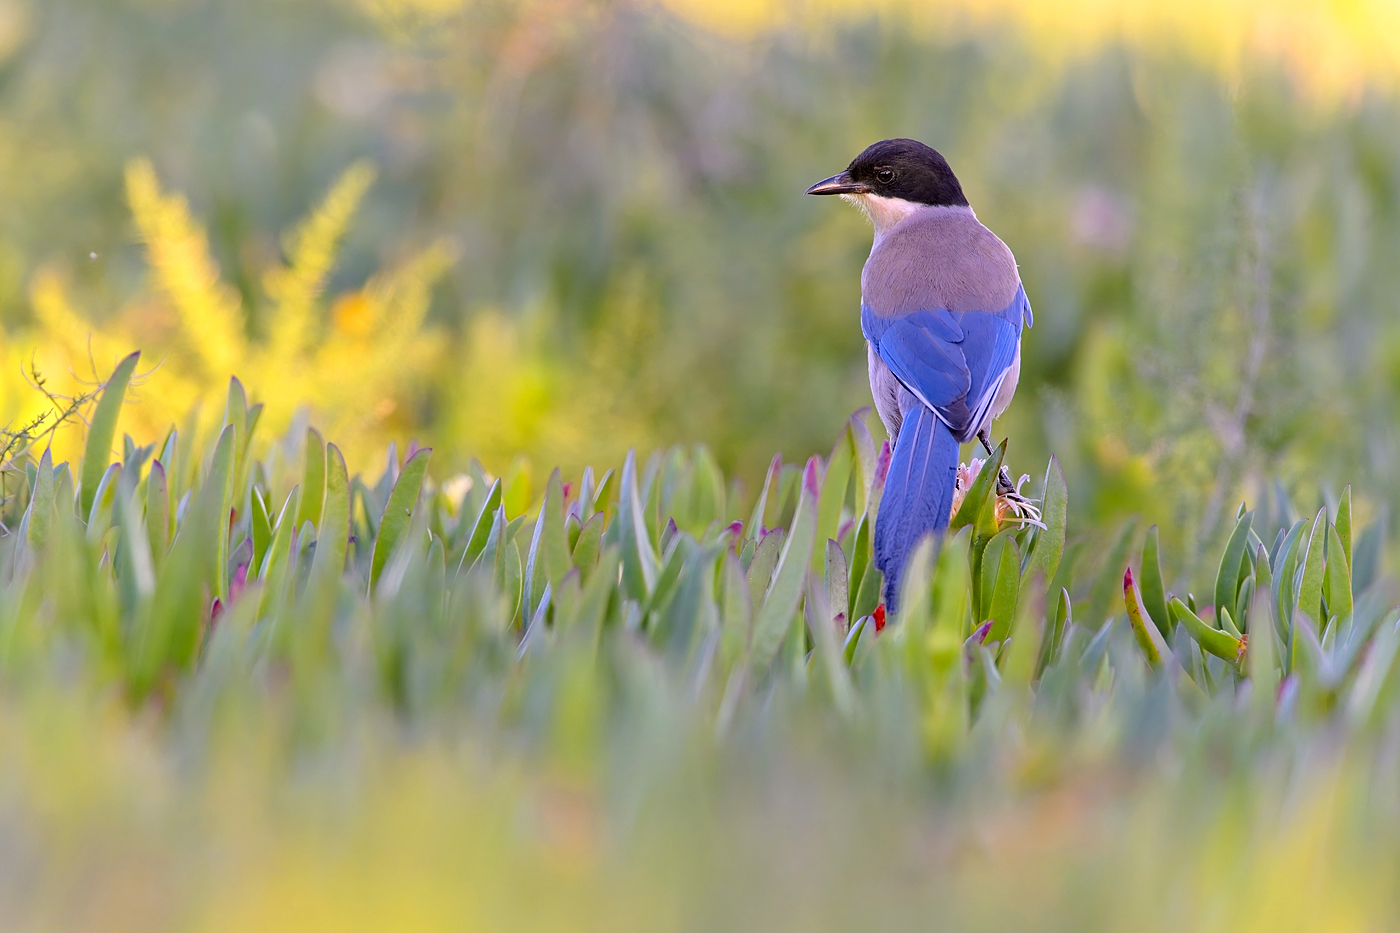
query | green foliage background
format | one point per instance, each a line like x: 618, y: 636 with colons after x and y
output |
x: 1210, y: 257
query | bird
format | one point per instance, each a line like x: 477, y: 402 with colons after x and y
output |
x: 942, y: 312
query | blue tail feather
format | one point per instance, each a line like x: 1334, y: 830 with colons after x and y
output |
x: 918, y: 494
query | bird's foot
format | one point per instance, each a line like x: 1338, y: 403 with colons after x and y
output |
x: 1004, y: 485
x: 986, y: 441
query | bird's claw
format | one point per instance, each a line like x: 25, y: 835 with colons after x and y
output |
x: 1004, y: 485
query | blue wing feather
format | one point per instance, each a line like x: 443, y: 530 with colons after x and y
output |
x: 953, y: 362
x: 917, y: 349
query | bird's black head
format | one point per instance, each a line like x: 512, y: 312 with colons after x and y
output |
x: 898, y: 168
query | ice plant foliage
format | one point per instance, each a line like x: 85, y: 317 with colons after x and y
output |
x: 244, y: 603
x: 179, y: 540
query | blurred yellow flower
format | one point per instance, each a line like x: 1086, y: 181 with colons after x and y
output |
x: 352, y: 374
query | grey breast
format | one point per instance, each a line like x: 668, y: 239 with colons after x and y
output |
x: 939, y: 257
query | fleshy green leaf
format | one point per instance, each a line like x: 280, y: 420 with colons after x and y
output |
x: 39, y: 514
x: 1054, y: 636
x: 1337, y: 581
x: 1310, y: 587
x: 1054, y: 515
x: 1221, y: 644
x: 868, y: 594
x: 1227, y: 577
x: 1343, y: 523
x: 779, y: 605
x: 837, y: 582
x: 1287, y: 564
x: 833, y: 495
x: 261, y: 526
x: 979, y: 493
x: 1154, y: 647
x: 481, y: 528
x: 333, y: 536
x: 398, y: 514
x: 639, y: 562
x: 313, y: 482
x: 1154, y: 591
x: 757, y: 518
x: 548, y: 558
x: 857, y: 561
x: 158, y: 512
x: 590, y: 537
x: 217, y: 487
x: 273, y: 570
x: 101, y: 432
x: 1005, y: 590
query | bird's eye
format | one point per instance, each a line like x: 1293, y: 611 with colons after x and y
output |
x: 884, y: 175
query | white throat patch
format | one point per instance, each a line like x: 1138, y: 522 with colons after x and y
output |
x: 885, y: 213
x: 882, y: 212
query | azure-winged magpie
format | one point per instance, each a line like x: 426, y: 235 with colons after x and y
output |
x: 942, y: 309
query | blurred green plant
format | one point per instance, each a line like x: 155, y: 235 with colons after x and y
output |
x: 598, y: 641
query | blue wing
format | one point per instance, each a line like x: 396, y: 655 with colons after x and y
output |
x: 953, y: 362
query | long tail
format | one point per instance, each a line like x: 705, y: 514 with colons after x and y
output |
x: 918, y: 494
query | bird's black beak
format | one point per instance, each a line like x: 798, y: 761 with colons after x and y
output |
x: 838, y: 184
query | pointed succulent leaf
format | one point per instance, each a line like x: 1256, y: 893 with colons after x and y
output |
x: 333, y: 535
x: 868, y: 593
x: 833, y: 495
x: 1337, y: 576
x: 101, y: 432
x: 853, y: 637
x: 856, y: 562
x: 765, y: 559
x: 1361, y: 698
x: 865, y: 459
x: 757, y: 518
x: 1227, y: 577
x: 398, y: 513
x: 1343, y: 523
x: 1221, y: 644
x: 1054, y: 514
x: 1261, y: 654
x: 1055, y: 633
x: 772, y: 621
x: 837, y: 582
x: 1227, y: 624
x: 481, y: 528
x: 1286, y: 565
x: 1005, y: 592
x: 39, y: 514
x: 1149, y: 639
x: 1154, y: 591
x: 1310, y: 586
x: 585, y: 553
x: 261, y: 524
x: 313, y: 480
x: 639, y: 561
x: 979, y: 493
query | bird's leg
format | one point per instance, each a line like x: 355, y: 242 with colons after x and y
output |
x: 1004, y: 484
